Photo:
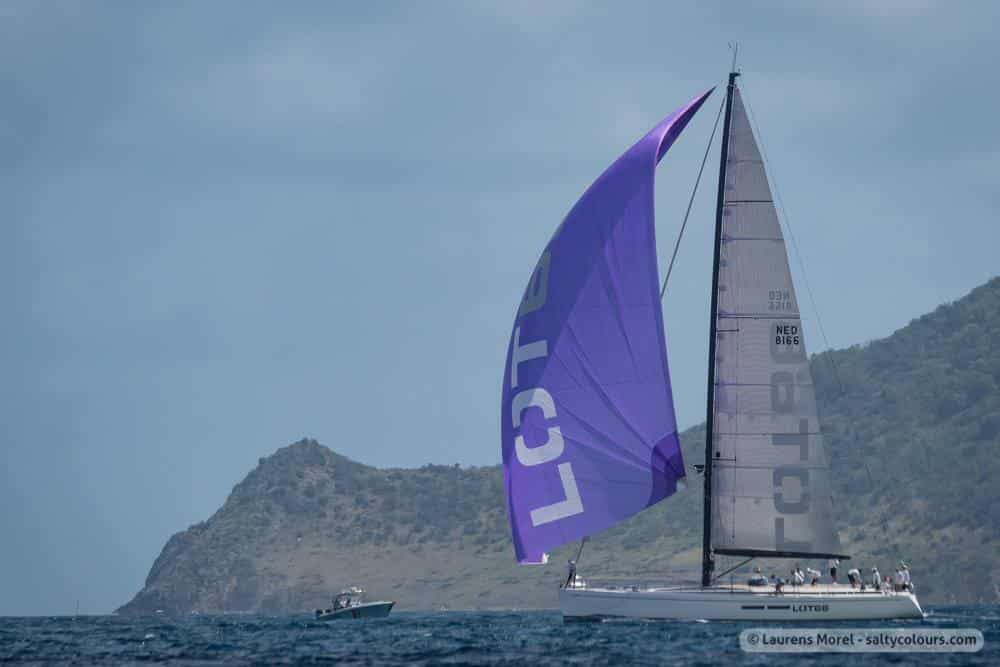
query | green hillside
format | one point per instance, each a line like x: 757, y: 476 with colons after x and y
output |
x: 912, y: 424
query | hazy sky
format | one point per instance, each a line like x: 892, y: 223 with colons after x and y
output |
x: 230, y: 225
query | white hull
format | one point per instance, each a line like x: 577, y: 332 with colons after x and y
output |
x: 365, y: 610
x: 741, y: 603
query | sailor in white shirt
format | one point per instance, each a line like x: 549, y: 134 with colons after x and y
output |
x: 907, y: 584
x: 813, y: 575
x: 854, y: 576
x: 833, y: 565
x: 876, y: 579
x: 798, y: 577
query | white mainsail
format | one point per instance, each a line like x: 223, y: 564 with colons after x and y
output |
x: 771, y: 492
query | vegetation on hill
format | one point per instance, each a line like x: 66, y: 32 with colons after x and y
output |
x: 912, y: 424
x: 913, y: 421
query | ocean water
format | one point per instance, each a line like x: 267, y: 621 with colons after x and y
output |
x: 446, y: 638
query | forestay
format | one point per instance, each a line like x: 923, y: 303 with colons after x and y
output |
x: 771, y: 482
x: 588, y: 431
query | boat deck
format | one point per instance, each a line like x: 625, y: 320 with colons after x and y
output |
x: 787, y: 589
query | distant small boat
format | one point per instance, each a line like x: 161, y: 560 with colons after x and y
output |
x: 350, y: 603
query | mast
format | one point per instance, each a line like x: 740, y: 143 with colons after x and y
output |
x: 707, y: 559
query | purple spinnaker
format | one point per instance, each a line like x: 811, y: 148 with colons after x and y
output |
x: 588, y: 430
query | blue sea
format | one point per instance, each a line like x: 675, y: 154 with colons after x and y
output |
x: 446, y: 638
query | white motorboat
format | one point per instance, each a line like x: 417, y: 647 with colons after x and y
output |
x: 350, y: 603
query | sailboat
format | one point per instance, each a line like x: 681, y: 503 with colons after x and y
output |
x: 589, y: 435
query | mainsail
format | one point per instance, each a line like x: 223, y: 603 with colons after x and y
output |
x: 588, y: 431
x: 771, y: 490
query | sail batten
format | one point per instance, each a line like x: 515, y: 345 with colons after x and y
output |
x: 588, y: 431
x: 771, y: 487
